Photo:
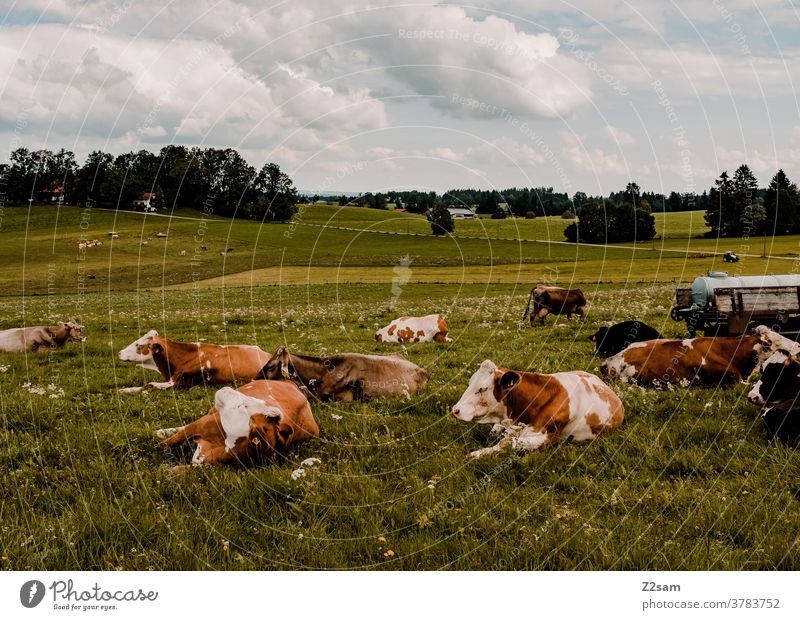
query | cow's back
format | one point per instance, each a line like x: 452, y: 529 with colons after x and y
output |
x: 286, y: 396
x: 594, y: 407
x: 21, y: 339
x: 12, y: 340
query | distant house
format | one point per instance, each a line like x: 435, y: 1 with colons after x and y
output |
x: 145, y: 202
x: 461, y: 213
x: 53, y: 193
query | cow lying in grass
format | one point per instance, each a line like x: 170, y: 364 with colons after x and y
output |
x: 430, y: 328
x: 348, y: 376
x: 611, y: 340
x: 22, y: 339
x: 778, y: 391
x: 538, y: 409
x: 246, y: 426
x: 706, y: 361
x: 184, y: 364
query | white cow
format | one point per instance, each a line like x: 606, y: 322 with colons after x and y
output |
x: 430, y: 328
x: 536, y: 409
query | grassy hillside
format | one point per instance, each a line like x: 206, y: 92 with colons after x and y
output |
x: 40, y: 254
x: 688, y: 482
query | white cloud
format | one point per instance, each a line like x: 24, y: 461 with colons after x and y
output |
x: 619, y: 136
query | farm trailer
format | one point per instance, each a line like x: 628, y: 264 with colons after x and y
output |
x: 719, y: 304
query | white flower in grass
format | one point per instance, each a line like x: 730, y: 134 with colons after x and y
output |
x: 4, y: 368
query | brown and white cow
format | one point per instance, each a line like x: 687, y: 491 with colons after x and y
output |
x: 184, y: 364
x: 705, y: 361
x: 554, y: 300
x: 538, y: 409
x: 348, y: 376
x: 22, y: 339
x: 245, y: 426
x: 430, y: 328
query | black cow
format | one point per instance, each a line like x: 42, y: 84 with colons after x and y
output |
x: 609, y: 341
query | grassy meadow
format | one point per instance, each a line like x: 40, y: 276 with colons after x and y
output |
x: 687, y: 482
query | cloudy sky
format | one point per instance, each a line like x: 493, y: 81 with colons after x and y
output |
x: 359, y: 95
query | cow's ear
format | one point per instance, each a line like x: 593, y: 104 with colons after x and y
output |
x: 285, y: 432
x: 156, y: 347
x: 509, y: 379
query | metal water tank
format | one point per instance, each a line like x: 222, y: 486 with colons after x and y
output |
x: 703, y: 286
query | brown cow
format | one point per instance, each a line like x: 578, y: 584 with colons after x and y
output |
x: 538, y: 409
x: 348, y: 376
x: 245, y: 426
x: 554, y: 300
x: 21, y: 339
x: 705, y: 361
x: 184, y: 364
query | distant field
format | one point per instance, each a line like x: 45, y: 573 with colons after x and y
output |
x: 39, y: 251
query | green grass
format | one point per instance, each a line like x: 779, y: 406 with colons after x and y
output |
x: 688, y: 482
x: 39, y: 251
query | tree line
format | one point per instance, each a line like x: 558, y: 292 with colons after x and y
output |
x: 217, y: 181
x: 739, y: 208
x: 624, y: 216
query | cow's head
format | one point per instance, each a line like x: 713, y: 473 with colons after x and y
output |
x: 245, y: 417
x: 482, y: 401
x: 278, y: 367
x: 73, y: 330
x: 599, y: 335
x: 770, y: 341
x: 780, y: 380
x: 139, y: 351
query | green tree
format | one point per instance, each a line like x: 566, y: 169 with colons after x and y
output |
x: 489, y: 202
x: 745, y: 189
x: 674, y: 202
x: 720, y: 206
x: 278, y: 200
x: 781, y: 203
x: 440, y: 219
x: 90, y: 177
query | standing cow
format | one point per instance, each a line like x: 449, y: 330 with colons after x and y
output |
x: 259, y: 420
x: 538, y: 409
x: 554, y: 300
x: 21, y: 339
